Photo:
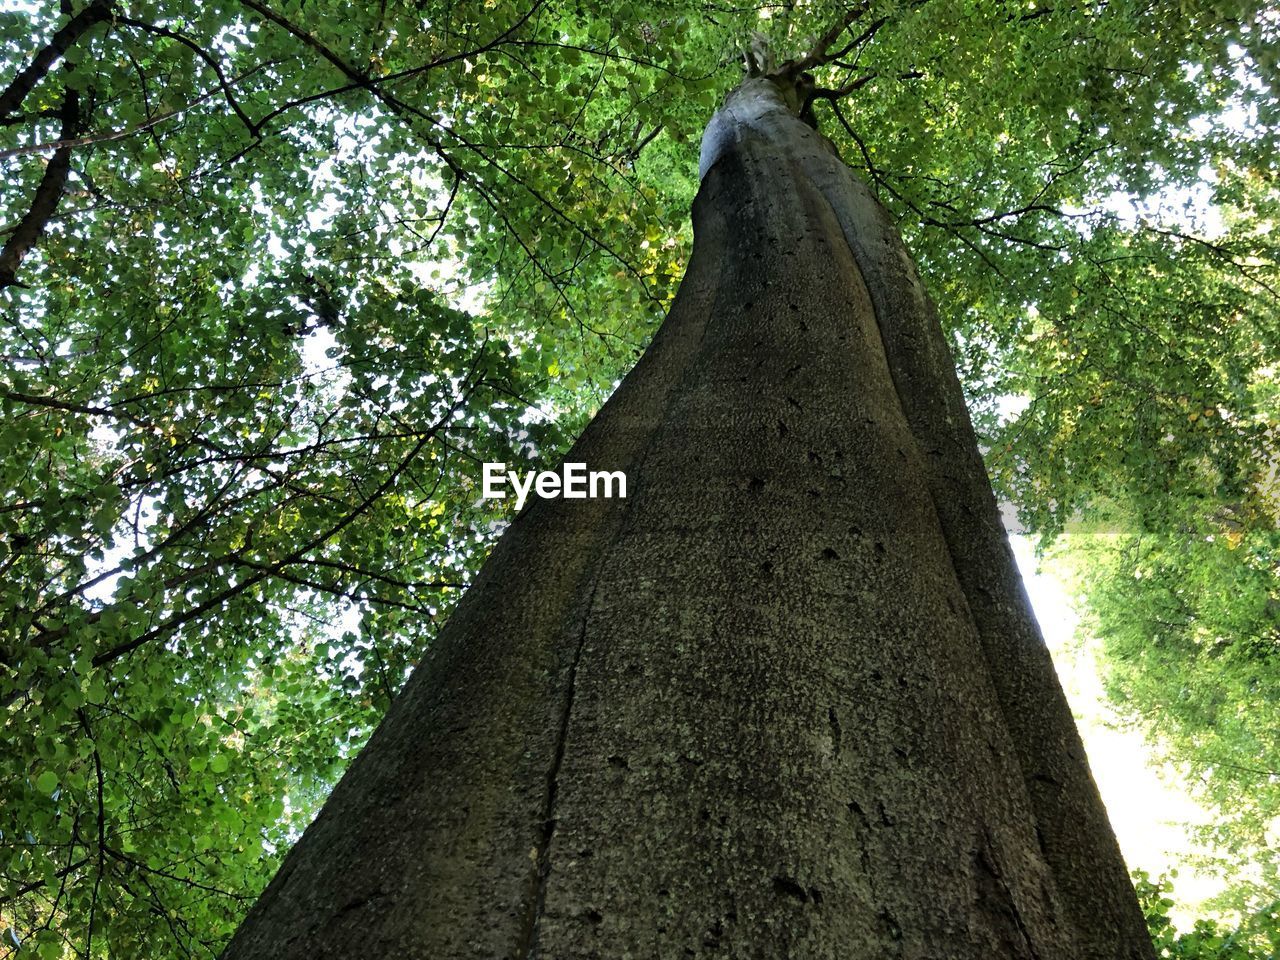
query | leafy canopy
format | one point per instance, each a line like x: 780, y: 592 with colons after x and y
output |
x: 277, y: 275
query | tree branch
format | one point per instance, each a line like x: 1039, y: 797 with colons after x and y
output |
x: 47, y: 196
x: 34, y: 885
x: 47, y: 56
x: 819, y: 53
x: 68, y: 143
x: 204, y: 55
x: 218, y: 599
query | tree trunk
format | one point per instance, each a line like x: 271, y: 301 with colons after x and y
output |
x: 786, y: 700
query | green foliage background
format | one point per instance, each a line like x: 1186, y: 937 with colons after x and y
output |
x: 308, y: 263
x: 1256, y: 936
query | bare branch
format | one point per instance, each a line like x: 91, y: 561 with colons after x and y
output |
x: 820, y: 52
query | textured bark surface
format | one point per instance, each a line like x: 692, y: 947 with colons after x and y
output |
x: 786, y: 700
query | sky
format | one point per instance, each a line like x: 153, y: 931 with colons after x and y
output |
x: 1149, y: 807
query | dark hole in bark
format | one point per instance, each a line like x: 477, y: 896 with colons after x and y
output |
x: 712, y: 939
x: 789, y: 888
x: 890, y: 925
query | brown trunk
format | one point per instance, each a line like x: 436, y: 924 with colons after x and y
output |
x: 787, y: 700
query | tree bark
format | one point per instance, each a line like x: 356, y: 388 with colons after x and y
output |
x: 786, y: 700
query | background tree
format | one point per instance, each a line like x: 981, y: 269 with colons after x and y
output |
x: 1257, y: 934
x: 225, y: 548
x: 1188, y: 622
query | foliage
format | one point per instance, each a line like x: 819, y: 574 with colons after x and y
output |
x: 1256, y: 937
x: 277, y: 274
x: 1190, y: 628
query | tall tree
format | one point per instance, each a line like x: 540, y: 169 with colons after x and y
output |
x: 279, y: 275
x: 786, y: 699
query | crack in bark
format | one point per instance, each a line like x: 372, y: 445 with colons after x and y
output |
x: 887, y: 925
x: 359, y: 903
x: 528, y: 947
x: 996, y: 897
